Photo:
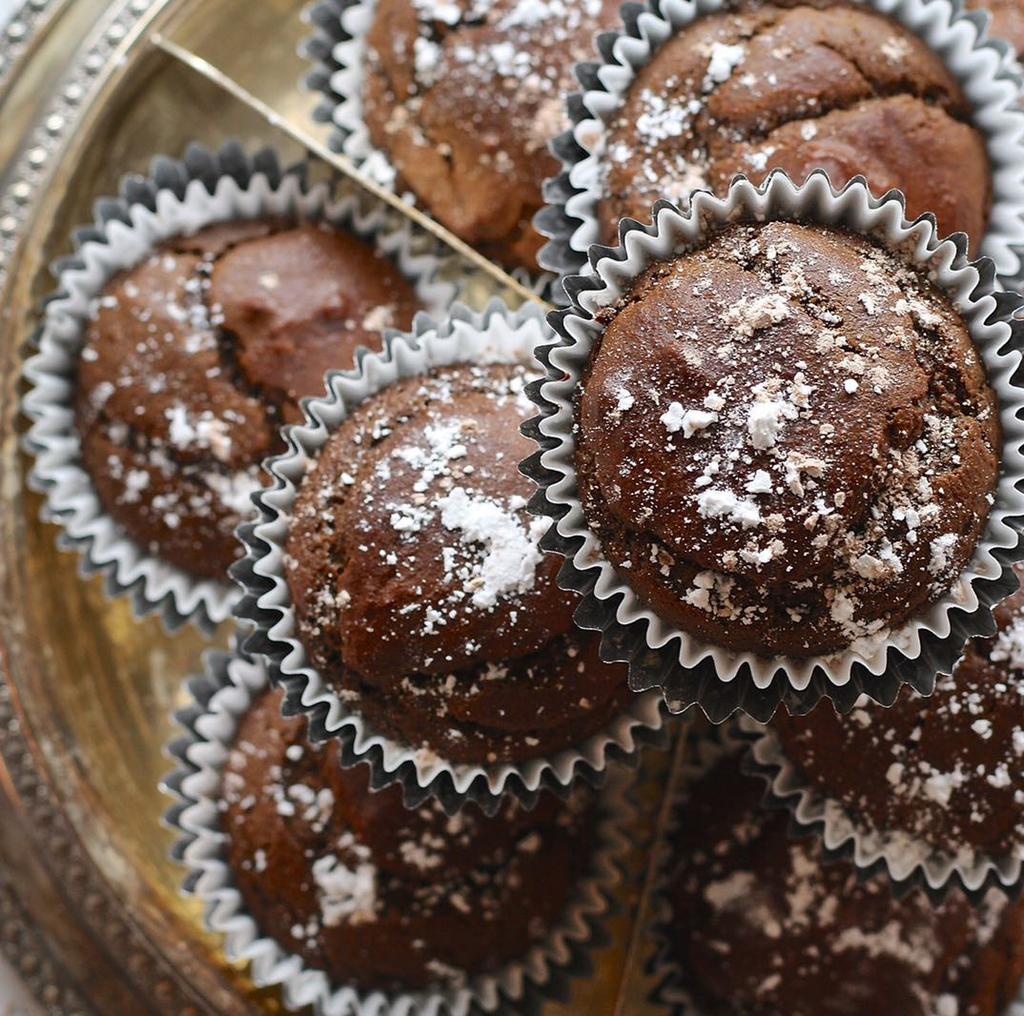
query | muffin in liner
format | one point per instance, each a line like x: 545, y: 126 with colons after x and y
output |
x: 674, y: 988
x: 337, y: 49
x: 495, y: 335
x: 221, y: 696
x: 178, y: 197
x: 685, y: 668
x: 908, y: 862
x: 983, y: 67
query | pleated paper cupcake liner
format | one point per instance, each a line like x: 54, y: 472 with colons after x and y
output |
x: 324, y: 19
x: 337, y: 49
x: 221, y: 697
x: 688, y: 670
x: 496, y: 335
x: 178, y: 197
x: 906, y: 860
x: 984, y: 67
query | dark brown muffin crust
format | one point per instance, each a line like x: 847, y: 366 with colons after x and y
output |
x: 798, y: 87
x: 378, y: 896
x: 421, y: 592
x: 762, y: 928
x: 411, y: 549
x: 529, y: 707
x: 945, y: 770
x: 195, y: 357
x: 786, y: 442
x: 464, y: 97
x: 1007, y: 20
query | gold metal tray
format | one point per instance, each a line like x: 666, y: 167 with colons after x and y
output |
x: 89, y: 906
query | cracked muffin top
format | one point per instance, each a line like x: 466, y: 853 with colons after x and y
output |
x: 421, y: 591
x: 464, y: 96
x: 193, y: 359
x: 786, y: 442
x: 411, y: 549
x: 797, y: 87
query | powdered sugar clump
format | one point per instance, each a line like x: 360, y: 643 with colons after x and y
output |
x: 722, y: 60
x: 1008, y: 646
x: 689, y: 421
x: 346, y: 895
x: 510, y: 550
x: 719, y: 502
x: 764, y: 421
x: 235, y: 490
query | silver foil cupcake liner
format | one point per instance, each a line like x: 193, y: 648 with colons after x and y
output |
x: 495, y: 335
x: 337, y: 49
x: 220, y: 697
x: 985, y: 68
x: 688, y: 670
x: 908, y: 863
x: 178, y: 197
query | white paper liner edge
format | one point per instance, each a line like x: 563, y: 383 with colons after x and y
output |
x: 71, y: 499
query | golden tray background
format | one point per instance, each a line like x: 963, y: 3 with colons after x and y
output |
x: 90, y: 912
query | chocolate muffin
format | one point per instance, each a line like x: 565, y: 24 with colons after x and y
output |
x: 798, y: 87
x: 939, y: 774
x: 194, y: 358
x: 1007, y: 20
x: 421, y: 592
x: 464, y: 96
x: 786, y: 442
x: 761, y: 927
x: 378, y: 896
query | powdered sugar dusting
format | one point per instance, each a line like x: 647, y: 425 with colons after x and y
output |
x: 771, y: 443
x: 347, y: 895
